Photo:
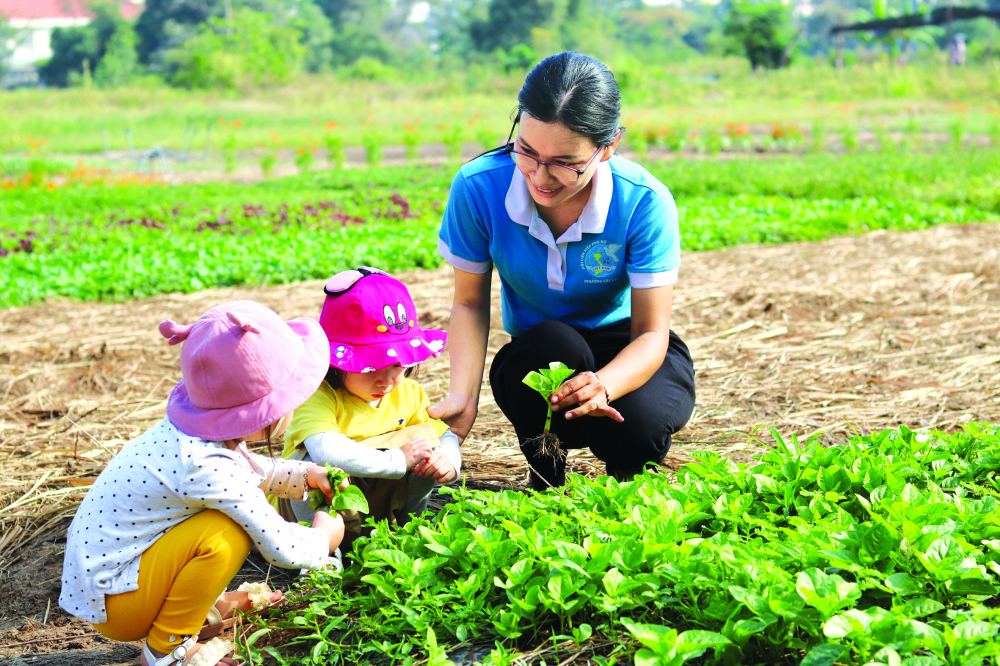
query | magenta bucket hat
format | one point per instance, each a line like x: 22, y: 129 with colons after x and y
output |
x: 371, y: 323
x: 243, y: 368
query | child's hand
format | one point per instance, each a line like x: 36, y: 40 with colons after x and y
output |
x: 415, y: 451
x: 331, y: 526
x: 438, y: 466
x: 317, y: 479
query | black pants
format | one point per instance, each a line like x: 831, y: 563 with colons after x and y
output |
x: 652, y: 413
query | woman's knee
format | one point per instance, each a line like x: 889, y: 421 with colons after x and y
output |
x: 632, y: 443
x: 544, y: 343
x: 553, y: 335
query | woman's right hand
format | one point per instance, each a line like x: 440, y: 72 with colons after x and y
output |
x: 330, y: 525
x: 457, y: 412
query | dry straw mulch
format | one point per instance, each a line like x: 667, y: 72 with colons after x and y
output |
x: 844, y: 336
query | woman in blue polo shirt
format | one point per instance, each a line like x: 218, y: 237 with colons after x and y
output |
x: 587, y: 247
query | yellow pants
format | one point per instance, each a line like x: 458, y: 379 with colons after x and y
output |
x: 180, y: 577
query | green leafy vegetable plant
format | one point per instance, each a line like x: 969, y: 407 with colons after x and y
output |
x: 883, y: 551
x: 116, y: 242
x: 546, y: 381
x: 348, y: 499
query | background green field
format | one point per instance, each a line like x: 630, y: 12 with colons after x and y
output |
x: 135, y: 240
x: 698, y: 96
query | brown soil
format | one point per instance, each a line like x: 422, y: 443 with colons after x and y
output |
x: 848, y: 335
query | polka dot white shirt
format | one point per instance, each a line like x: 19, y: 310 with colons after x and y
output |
x: 161, y: 479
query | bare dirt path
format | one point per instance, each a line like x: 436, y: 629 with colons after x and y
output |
x: 851, y: 334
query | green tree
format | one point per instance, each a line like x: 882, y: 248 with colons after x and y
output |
x: 72, y: 48
x: 166, y: 24
x: 654, y: 33
x: 120, y: 63
x: 370, y: 29
x: 511, y: 22
x: 316, y: 34
x: 762, y: 31
x: 247, y: 50
x: 7, y: 36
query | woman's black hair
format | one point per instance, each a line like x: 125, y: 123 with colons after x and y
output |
x: 576, y: 90
x: 335, y: 376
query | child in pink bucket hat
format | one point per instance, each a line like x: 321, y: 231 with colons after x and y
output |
x: 369, y: 418
x: 171, y: 519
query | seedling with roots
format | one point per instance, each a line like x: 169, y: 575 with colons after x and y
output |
x: 546, y: 382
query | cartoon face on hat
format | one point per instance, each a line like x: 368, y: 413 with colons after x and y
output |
x: 371, y: 322
x: 397, y: 321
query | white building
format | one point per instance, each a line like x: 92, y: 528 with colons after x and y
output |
x: 29, y: 24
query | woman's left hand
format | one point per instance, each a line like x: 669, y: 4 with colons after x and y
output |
x: 586, y: 393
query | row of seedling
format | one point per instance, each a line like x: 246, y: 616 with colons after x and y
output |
x: 850, y: 137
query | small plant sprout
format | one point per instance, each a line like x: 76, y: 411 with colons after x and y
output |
x: 348, y: 499
x: 546, y: 382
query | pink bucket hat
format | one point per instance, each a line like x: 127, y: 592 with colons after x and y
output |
x: 243, y: 367
x: 371, y: 322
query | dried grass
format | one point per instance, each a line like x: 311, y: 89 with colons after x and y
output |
x: 852, y: 334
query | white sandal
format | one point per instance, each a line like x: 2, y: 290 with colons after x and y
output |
x: 210, y: 653
x: 260, y: 598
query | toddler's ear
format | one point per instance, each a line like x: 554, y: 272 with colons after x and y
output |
x: 174, y: 332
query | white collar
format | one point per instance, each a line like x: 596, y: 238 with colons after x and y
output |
x: 521, y: 208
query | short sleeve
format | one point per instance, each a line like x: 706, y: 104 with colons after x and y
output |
x: 653, y: 242
x: 316, y: 415
x: 420, y: 415
x: 464, y: 239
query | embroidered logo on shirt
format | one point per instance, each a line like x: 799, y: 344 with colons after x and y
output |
x: 601, y: 259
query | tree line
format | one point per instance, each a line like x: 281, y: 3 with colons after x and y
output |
x: 250, y: 43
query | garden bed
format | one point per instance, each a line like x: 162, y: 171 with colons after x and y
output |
x: 853, y: 334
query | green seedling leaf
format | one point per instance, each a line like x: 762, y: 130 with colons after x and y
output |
x: 904, y: 584
x: 922, y: 660
x: 538, y: 382
x: 823, y: 655
x: 877, y: 543
x: 975, y: 630
x: 349, y: 499
x: 826, y: 593
x: 546, y: 381
x: 919, y: 607
x: 694, y: 643
x: 659, y: 638
x: 582, y: 633
x: 970, y: 585
x: 558, y: 373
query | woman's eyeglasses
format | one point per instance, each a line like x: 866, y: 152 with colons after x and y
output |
x: 561, y: 172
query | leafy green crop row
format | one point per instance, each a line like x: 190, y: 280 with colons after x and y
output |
x: 966, y: 178
x: 883, y: 551
x: 133, y: 241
